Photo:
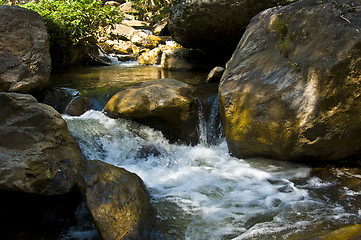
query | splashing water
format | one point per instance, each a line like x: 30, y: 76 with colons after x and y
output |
x: 202, y: 192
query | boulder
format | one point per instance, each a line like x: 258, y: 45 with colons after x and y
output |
x: 291, y: 89
x: 167, y: 105
x: 214, y: 24
x: 173, y: 62
x: 150, y: 57
x: 78, y: 106
x: 37, y: 154
x: 121, y: 32
x: 215, y: 74
x: 25, y: 62
x: 118, y: 201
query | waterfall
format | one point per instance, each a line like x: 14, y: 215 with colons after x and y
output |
x: 201, y: 192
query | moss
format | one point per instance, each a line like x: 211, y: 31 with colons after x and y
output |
x: 279, y: 26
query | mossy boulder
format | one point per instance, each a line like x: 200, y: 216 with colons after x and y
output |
x: 291, y: 89
x: 37, y: 154
x: 167, y: 105
x: 118, y: 201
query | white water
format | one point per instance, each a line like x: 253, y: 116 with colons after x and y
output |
x: 202, y: 192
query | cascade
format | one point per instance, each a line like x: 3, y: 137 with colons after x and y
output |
x: 201, y: 192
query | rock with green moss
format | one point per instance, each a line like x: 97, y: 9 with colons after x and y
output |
x: 291, y: 89
x: 37, y: 154
x: 118, y: 201
x: 167, y: 105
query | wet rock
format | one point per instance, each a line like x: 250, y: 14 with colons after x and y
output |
x: 57, y: 98
x: 215, y: 74
x: 25, y: 62
x: 205, y: 24
x: 167, y: 105
x: 291, y: 89
x: 352, y: 232
x: 78, y: 106
x: 37, y: 153
x: 118, y: 201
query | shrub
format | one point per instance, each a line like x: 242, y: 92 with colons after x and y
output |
x: 159, y: 8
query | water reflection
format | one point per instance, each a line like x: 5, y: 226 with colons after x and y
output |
x: 99, y: 84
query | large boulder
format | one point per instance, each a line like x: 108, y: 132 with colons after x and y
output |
x: 24, y: 50
x: 166, y: 104
x: 37, y: 155
x: 214, y: 26
x: 292, y: 88
x: 118, y: 201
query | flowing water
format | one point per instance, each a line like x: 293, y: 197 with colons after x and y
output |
x: 201, y: 192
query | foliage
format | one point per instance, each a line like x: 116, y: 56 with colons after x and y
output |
x: 71, y: 20
x: 153, y: 10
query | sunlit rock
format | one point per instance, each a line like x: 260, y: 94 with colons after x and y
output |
x: 37, y: 155
x: 292, y: 87
x: 24, y: 52
x: 121, y: 32
x: 118, y: 201
x: 150, y: 57
x: 166, y: 104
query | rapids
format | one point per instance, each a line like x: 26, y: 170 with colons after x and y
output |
x: 201, y: 192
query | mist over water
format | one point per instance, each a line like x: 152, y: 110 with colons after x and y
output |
x: 201, y: 192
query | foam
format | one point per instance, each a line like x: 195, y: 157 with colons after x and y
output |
x: 209, y: 193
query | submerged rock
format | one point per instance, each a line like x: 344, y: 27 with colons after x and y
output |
x: 118, y: 201
x: 214, y: 26
x: 292, y: 88
x: 166, y: 104
x: 37, y: 154
x: 25, y: 62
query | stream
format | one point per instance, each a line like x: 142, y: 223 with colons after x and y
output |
x: 201, y: 192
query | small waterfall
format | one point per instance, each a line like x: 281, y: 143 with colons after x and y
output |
x: 210, y: 128
x: 201, y: 192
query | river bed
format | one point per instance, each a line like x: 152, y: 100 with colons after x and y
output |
x: 201, y: 192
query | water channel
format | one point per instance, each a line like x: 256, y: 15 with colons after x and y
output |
x: 201, y: 192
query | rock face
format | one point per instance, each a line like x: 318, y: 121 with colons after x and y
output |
x: 292, y: 87
x: 167, y: 105
x: 24, y: 52
x: 37, y: 155
x: 214, y: 26
x: 117, y: 200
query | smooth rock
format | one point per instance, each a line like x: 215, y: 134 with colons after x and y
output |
x: 25, y: 62
x: 118, y: 201
x: 37, y: 154
x: 291, y: 90
x: 167, y: 105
